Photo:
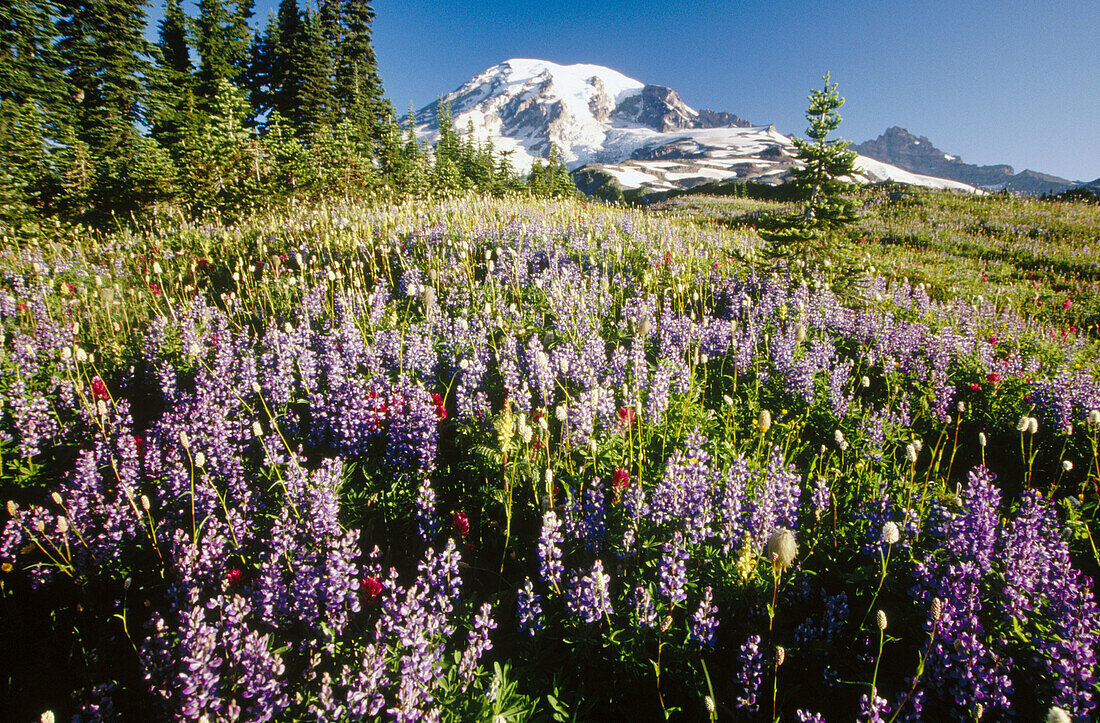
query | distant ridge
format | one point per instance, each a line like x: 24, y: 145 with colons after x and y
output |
x: 900, y: 148
x: 623, y: 133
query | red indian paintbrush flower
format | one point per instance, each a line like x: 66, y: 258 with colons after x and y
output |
x: 461, y: 524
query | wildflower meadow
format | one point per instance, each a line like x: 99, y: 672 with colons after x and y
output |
x: 517, y: 459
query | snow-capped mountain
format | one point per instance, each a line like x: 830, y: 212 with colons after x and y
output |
x: 587, y: 112
x: 625, y: 131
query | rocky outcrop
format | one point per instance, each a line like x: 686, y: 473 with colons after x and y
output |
x: 917, y: 154
x: 656, y: 107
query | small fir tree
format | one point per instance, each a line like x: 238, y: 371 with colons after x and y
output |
x: 810, y: 242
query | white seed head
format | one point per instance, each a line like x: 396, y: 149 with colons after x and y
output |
x: 1022, y: 425
x: 1067, y: 465
x: 982, y: 439
x: 62, y: 524
x: 47, y: 717
x: 911, y: 453
x: 961, y: 407
x: 865, y: 382
x: 145, y: 503
x: 937, y: 609
x: 185, y: 441
x: 919, y: 445
x: 257, y: 430
x: 1094, y: 416
x: 764, y: 420
x: 12, y: 508
x: 780, y: 655
x: 708, y: 703
x: 1058, y: 715
x: 890, y: 533
x: 1032, y: 425
x: 880, y: 619
x: 56, y: 498
x: 781, y: 549
x: 200, y: 459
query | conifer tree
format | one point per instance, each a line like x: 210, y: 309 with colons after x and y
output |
x: 264, y: 78
x: 808, y: 242
x: 222, y: 39
x: 174, y: 87
x: 358, y: 88
x: 313, y: 63
x: 413, y: 164
x: 175, y: 54
x: 827, y: 163
x: 106, y: 59
x: 33, y: 103
x: 283, y: 80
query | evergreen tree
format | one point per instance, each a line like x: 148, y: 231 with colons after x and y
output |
x: 222, y: 39
x: 263, y: 70
x: 175, y: 53
x: 358, y: 88
x: 33, y: 104
x: 313, y: 63
x: 174, y: 89
x: 106, y: 59
x: 552, y: 178
x: 826, y: 162
x: 808, y: 243
x: 414, y: 166
x: 283, y: 79
x: 222, y: 167
x: 240, y: 40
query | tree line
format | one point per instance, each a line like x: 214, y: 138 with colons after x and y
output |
x: 216, y: 116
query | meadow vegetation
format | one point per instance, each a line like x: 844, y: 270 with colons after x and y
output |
x: 513, y: 458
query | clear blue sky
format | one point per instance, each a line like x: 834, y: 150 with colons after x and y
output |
x: 997, y: 81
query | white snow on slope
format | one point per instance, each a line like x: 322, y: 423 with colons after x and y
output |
x: 524, y: 106
x: 877, y: 171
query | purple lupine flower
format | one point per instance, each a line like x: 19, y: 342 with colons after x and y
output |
x: 686, y: 491
x: 426, y: 523
x: 644, y: 610
x: 775, y: 503
x: 972, y: 669
x: 730, y: 504
x: 822, y: 497
x: 872, y: 708
x: 704, y: 622
x: 588, y: 596
x: 673, y: 572
x: 477, y: 642
x: 528, y: 608
x: 550, y: 565
x: 750, y: 674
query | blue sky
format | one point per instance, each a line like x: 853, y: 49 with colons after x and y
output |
x: 994, y: 82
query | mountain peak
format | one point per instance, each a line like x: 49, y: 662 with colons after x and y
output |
x: 916, y: 154
x: 635, y: 133
x: 587, y: 112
